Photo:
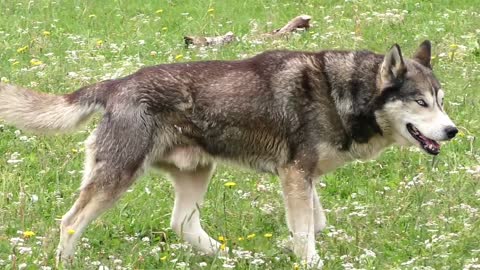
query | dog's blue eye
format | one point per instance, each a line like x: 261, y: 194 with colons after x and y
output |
x: 421, y: 102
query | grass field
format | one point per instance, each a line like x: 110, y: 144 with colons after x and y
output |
x: 405, y: 210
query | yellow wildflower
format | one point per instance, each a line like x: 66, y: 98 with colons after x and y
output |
x: 179, y: 56
x: 28, y: 234
x: 74, y: 150
x: 92, y: 16
x: 453, y: 46
x: 164, y: 258
x: 296, y: 266
x: 164, y: 28
x: 22, y: 49
x: 159, y: 11
x: 71, y: 231
x: 251, y: 236
x: 268, y: 235
x: 221, y: 238
x: 153, y: 53
x: 210, y: 10
x: 461, y: 134
x: 99, y: 42
x: 230, y: 184
x: 46, y: 33
x: 35, y: 62
x: 223, y: 246
x: 240, y: 238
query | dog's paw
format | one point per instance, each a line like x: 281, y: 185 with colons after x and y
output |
x: 313, y: 262
x: 62, y: 259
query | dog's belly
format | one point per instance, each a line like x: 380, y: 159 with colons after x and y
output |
x: 190, y: 157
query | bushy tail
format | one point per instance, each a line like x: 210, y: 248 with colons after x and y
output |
x: 42, y: 112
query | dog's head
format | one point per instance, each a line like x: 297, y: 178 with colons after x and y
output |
x: 412, y: 100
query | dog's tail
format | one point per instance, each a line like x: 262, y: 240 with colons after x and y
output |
x: 48, y: 113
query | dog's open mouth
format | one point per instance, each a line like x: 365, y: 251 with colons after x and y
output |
x: 430, y: 146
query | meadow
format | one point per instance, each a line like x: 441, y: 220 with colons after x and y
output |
x: 405, y: 210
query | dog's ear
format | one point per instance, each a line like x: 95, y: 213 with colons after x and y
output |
x: 424, y: 54
x: 393, y: 67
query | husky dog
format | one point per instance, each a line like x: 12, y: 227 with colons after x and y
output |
x: 297, y: 115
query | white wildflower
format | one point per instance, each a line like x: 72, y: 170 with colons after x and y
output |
x: 25, y: 250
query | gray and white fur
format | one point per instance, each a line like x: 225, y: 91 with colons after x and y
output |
x: 297, y: 115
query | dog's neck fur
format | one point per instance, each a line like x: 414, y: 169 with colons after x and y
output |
x: 352, y: 79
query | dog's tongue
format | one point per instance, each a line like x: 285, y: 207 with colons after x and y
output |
x: 431, y: 145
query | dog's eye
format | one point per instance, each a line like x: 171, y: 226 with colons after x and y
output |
x: 421, y: 102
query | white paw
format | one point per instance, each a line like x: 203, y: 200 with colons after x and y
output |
x: 63, y: 258
x: 313, y: 262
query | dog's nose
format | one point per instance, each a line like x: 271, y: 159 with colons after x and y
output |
x: 451, y: 131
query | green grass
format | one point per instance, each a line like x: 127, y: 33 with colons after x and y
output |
x: 411, y: 210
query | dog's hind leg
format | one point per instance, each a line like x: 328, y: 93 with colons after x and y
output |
x: 190, y: 188
x: 115, y: 157
x: 105, y: 187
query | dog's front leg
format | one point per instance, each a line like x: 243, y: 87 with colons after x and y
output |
x: 318, y: 213
x: 298, y: 192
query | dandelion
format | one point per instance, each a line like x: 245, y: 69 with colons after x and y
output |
x: 99, y: 43
x: 178, y: 56
x: 241, y: 238
x: 28, y: 234
x: 22, y: 49
x: 159, y: 11
x: 251, y: 236
x: 221, y: 238
x: 230, y: 184
x: 35, y: 62
x: 70, y: 231
x: 223, y: 247
x: 46, y: 33
x: 268, y: 235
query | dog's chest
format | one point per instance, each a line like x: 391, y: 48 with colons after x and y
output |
x: 331, y: 157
